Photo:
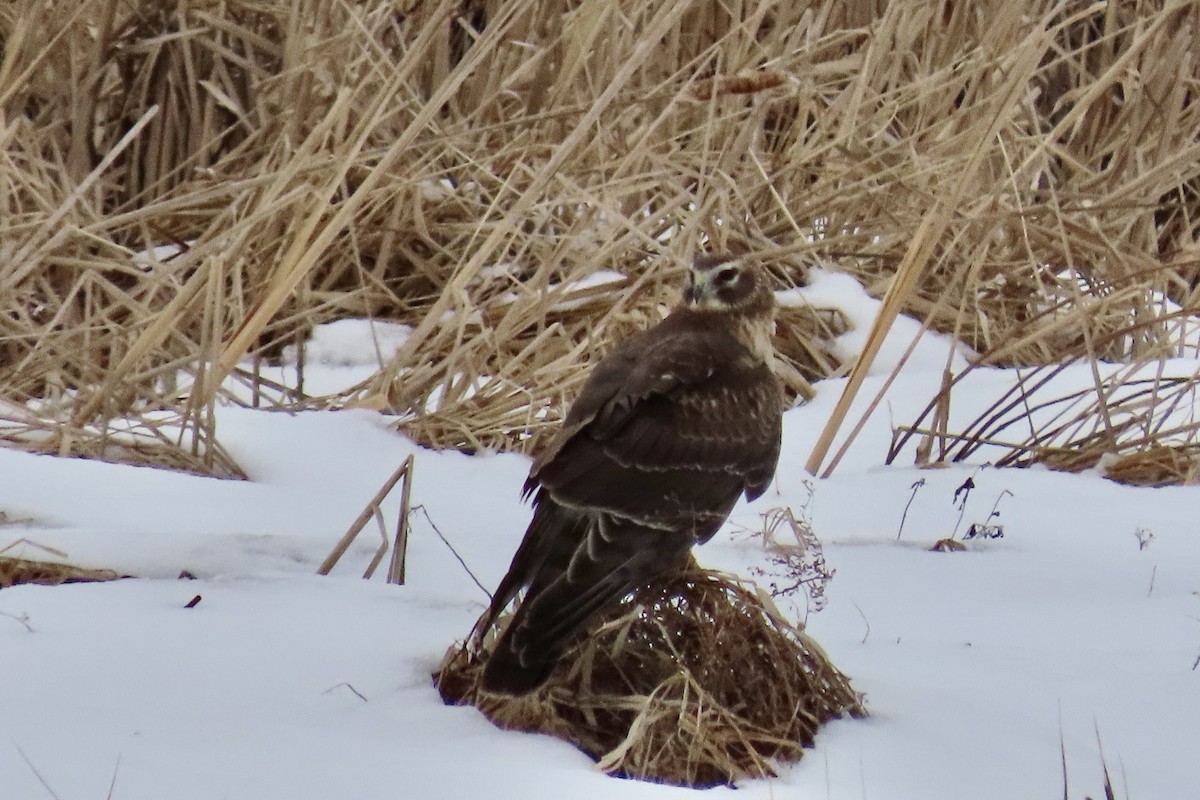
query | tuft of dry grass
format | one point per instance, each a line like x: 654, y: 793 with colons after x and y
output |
x: 14, y: 571
x: 1161, y: 465
x: 461, y: 167
x: 698, y: 681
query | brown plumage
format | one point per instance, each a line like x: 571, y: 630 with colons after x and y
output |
x: 671, y: 428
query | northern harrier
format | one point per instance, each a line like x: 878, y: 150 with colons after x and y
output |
x: 671, y: 428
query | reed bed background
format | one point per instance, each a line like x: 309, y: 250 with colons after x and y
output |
x: 188, y: 187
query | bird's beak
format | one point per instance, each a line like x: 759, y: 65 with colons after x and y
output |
x: 697, y: 286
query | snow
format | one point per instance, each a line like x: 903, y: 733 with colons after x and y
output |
x: 340, y: 343
x: 826, y: 289
x: 337, y: 355
x: 1073, y: 627
x: 156, y: 256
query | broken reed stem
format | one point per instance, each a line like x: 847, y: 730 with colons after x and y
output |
x: 396, y: 569
x: 372, y: 510
x: 381, y: 551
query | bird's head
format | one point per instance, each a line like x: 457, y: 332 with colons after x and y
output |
x: 727, y: 283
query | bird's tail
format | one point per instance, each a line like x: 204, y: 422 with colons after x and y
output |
x: 508, y: 672
x: 613, y: 560
x: 542, y: 628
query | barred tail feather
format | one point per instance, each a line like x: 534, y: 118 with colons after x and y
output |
x: 603, y: 569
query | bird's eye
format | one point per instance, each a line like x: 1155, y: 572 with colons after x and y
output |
x: 727, y: 276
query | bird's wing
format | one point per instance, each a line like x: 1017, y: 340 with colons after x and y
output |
x: 669, y: 430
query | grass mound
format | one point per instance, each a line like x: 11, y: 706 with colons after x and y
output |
x: 695, y: 682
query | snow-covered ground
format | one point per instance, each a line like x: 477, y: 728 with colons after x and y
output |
x: 1077, y: 634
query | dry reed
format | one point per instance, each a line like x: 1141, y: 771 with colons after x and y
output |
x: 461, y: 166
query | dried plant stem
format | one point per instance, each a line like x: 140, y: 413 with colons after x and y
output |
x: 372, y: 511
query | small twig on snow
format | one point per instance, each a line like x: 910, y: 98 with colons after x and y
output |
x: 23, y: 619
x: 446, y: 542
